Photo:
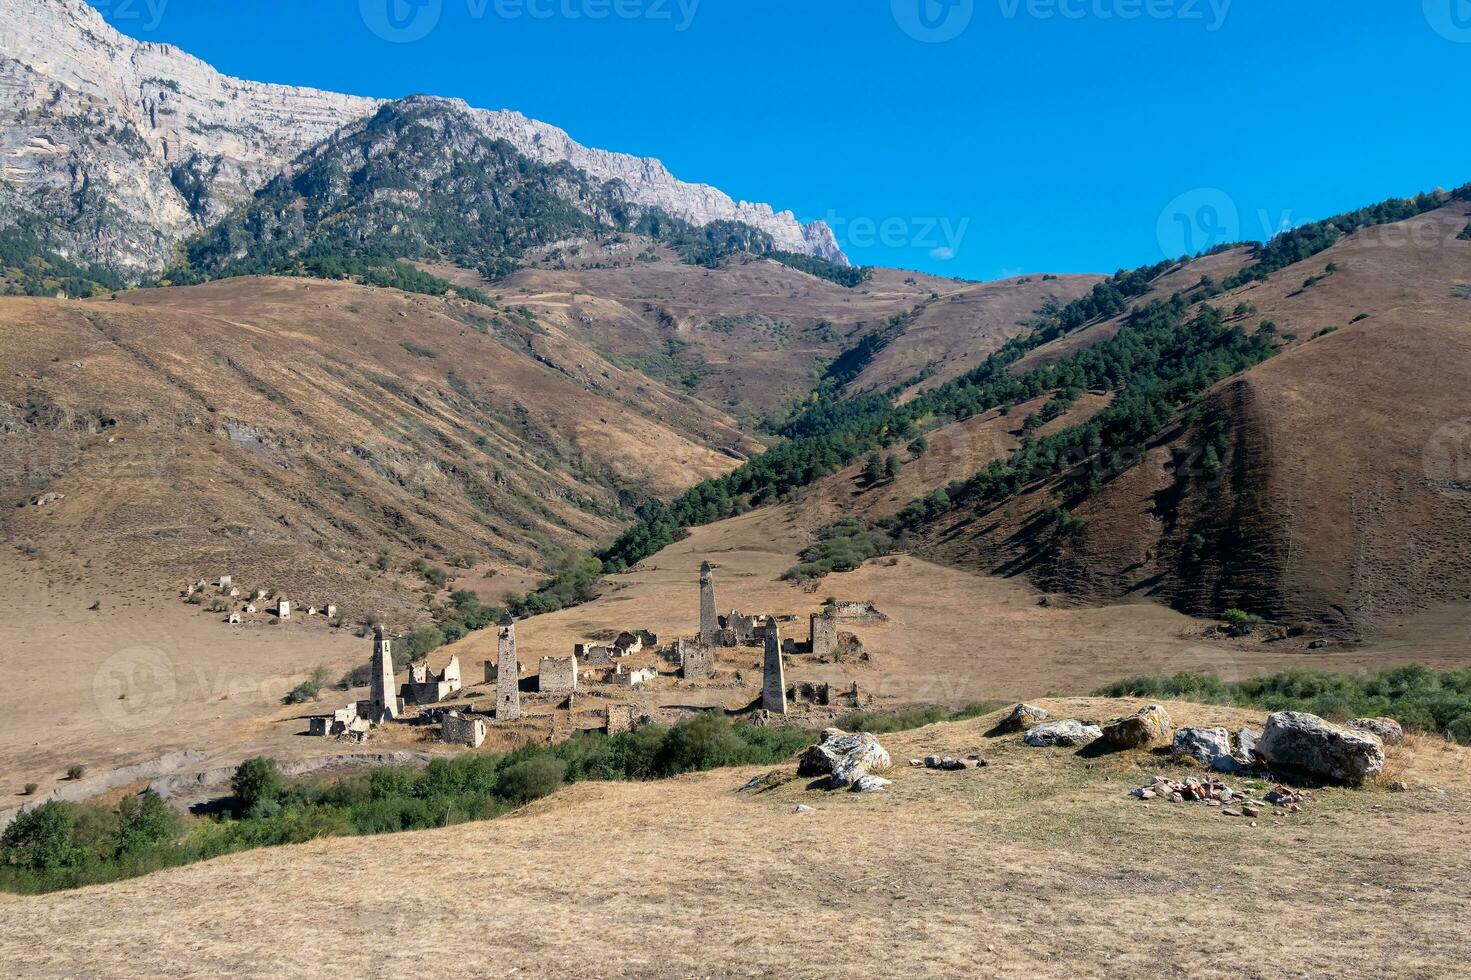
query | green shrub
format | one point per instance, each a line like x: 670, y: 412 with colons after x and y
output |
x: 256, y: 780
x: 42, y: 839
x: 533, y: 778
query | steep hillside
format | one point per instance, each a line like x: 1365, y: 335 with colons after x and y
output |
x: 1327, y: 483
x: 293, y: 429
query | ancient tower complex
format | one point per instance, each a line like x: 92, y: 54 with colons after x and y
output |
x: 825, y: 634
x: 383, y: 703
x: 709, y: 619
x: 508, y: 674
x: 774, y: 681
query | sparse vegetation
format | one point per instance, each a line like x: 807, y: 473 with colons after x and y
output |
x: 309, y: 689
x: 841, y: 547
x: 843, y: 275
x: 75, y: 772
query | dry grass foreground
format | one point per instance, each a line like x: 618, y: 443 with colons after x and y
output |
x: 1039, y: 865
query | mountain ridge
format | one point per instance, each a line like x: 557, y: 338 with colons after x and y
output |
x: 126, y: 147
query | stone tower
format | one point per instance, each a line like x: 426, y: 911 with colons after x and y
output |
x: 508, y: 674
x: 383, y: 702
x: 774, y: 681
x: 825, y: 635
x: 709, y: 619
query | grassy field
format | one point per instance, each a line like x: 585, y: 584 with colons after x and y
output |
x: 1038, y: 864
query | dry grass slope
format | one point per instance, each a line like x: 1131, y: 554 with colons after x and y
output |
x: 1039, y: 864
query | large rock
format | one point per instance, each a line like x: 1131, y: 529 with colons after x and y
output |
x: 1210, y: 747
x: 1024, y: 716
x: 1297, y: 742
x: 1387, y: 730
x: 844, y: 758
x: 1062, y: 733
x: 1151, y: 724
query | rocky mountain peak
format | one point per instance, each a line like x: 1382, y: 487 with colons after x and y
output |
x: 124, y: 148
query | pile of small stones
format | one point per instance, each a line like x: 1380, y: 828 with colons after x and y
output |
x: 1215, y: 793
x: 946, y: 763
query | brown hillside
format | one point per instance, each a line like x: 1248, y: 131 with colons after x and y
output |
x: 1342, y: 495
x: 287, y: 430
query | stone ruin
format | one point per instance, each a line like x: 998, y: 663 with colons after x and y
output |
x: 631, y: 678
x: 856, y: 609
x: 458, y: 729
x: 696, y: 660
x: 825, y: 695
x: 283, y: 609
x: 709, y: 621
x: 382, y: 704
x: 508, y: 673
x: 557, y: 675
x: 621, y: 718
x: 426, y: 687
x: 773, y: 681
x: 342, y: 722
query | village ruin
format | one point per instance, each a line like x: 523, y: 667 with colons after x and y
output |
x: 614, y: 683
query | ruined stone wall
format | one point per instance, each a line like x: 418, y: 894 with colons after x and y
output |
x: 557, y: 675
x: 696, y: 660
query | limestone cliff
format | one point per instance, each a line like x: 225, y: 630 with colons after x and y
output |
x: 124, y: 148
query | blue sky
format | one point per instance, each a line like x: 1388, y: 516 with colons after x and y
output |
x: 976, y: 138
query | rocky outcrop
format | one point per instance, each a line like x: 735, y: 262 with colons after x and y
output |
x: 1062, y: 733
x: 1024, y: 716
x: 1304, y: 744
x: 1150, y: 725
x: 123, y: 148
x: 1211, y: 747
x: 844, y: 758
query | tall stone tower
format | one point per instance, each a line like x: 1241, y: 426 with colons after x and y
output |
x: 774, y: 680
x: 508, y: 674
x: 709, y: 619
x: 383, y: 702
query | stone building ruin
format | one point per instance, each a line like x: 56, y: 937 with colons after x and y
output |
x: 696, y: 660
x: 709, y: 620
x: 508, y: 673
x: 557, y: 675
x: 382, y: 704
x: 773, y: 681
x: 458, y: 729
x: 426, y: 687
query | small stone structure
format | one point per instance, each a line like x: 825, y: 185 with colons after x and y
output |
x: 330, y: 611
x: 340, y: 722
x: 827, y: 695
x: 508, y: 674
x: 774, y: 685
x: 709, y: 620
x: 696, y: 660
x: 621, y: 718
x: 557, y: 675
x: 427, y: 687
x: 283, y: 609
x: 628, y: 644
x: 225, y: 583
x: 855, y: 609
x: 632, y: 678
x: 457, y: 729
x: 234, y: 619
